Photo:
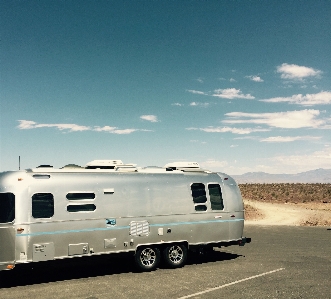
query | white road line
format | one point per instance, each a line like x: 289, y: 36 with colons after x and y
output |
x: 231, y: 283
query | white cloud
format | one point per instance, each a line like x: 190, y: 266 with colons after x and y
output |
x: 28, y: 125
x: 318, y: 159
x: 228, y: 93
x: 296, y: 72
x: 114, y: 130
x: 105, y: 129
x: 199, y: 104
x: 212, y: 164
x: 321, y: 98
x: 232, y: 80
x: 177, y: 104
x: 278, y: 139
x: 255, y: 78
x: 290, y: 119
x: 231, y: 93
x: 200, y: 80
x: 196, y: 92
x: 198, y: 141
x: 233, y: 145
x: 295, y: 163
x: 125, y: 131
x: 228, y: 129
x: 151, y: 118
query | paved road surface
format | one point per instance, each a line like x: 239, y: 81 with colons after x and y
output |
x: 281, y: 262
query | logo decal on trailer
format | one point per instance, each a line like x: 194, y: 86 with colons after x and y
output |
x: 110, y: 222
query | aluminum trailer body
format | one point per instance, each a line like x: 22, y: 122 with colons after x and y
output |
x: 48, y: 214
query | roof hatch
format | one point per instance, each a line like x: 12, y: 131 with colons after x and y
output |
x: 107, y: 164
x: 181, y: 165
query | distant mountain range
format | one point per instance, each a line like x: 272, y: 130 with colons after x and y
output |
x: 313, y: 176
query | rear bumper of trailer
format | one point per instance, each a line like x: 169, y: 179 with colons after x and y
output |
x: 244, y: 240
x: 240, y: 242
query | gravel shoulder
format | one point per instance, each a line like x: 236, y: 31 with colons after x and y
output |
x: 267, y: 213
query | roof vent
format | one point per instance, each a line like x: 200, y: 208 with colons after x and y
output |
x: 107, y: 164
x: 103, y: 164
x: 44, y: 166
x: 181, y: 165
x: 71, y: 166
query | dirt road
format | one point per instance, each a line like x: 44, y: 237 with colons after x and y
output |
x: 267, y: 213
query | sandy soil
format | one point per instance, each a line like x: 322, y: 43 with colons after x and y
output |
x: 266, y: 213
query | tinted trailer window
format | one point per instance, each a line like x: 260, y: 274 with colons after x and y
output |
x: 7, y: 207
x: 42, y: 205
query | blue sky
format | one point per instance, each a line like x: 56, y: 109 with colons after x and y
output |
x: 237, y: 86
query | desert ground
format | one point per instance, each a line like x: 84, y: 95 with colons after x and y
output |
x: 287, y: 204
x: 266, y: 213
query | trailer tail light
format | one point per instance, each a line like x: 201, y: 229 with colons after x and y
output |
x: 10, y: 267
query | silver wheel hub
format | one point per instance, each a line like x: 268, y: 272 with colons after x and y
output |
x: 175, y: 254
x: 148, y: 257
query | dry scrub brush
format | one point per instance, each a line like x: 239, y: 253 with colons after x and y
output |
x: 292, y: 193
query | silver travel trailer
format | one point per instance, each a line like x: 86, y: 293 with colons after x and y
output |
x: 110, y: 207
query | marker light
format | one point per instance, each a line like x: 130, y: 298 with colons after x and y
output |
x: 10, y: 267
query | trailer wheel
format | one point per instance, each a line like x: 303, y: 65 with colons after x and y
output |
x: 175, y: 255
x: 147, y: 258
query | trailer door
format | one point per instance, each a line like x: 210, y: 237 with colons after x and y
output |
x: 7, y: 230
x: 214, y: 217
x: 219, y: 215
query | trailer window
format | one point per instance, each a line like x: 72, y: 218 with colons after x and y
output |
x: 199, y: 196
x: 42, y: 205
x: 80, y: 196
x: 81, y: 208
x: 7, y: 207
x: 215, y: 195
x: 201, y: 208
x: 198, y: 193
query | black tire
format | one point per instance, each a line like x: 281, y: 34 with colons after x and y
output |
x: 175, y: 255
x: 147, y: 258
